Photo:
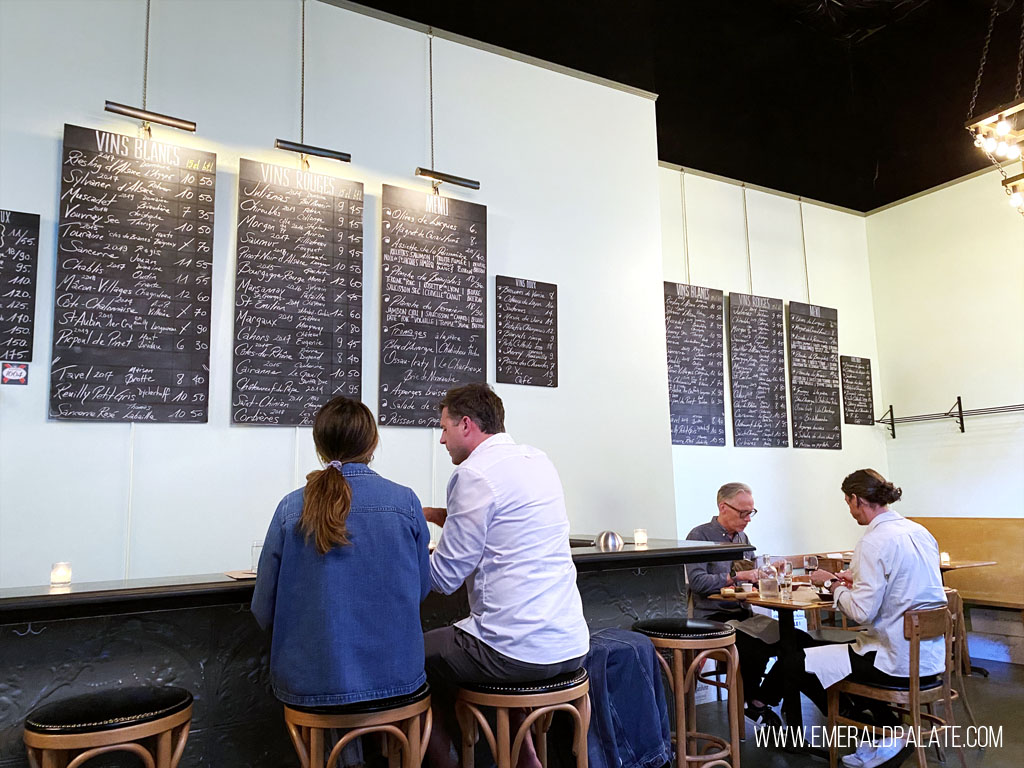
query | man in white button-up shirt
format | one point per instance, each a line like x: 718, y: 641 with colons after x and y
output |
x: 506, y: 536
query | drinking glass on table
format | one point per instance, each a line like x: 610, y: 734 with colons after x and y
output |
x: 785, y: 568
x: 810, y: 563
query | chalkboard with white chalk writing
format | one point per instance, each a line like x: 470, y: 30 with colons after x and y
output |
x: 19, y: 251
x: 131, y: 325
x: 696, y: 385
x: 814, y: 376
x: 298, y: 294
x: 858, y: 399
x: 527, y: 332
x: 757, y: 366
x: 434, y: 302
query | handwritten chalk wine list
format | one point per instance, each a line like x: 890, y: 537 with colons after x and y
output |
x: 131, y: 327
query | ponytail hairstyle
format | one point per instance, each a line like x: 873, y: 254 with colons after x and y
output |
x: 344, y: 433
x: 867, y: 484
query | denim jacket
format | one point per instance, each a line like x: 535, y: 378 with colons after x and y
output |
x: 346, y: 625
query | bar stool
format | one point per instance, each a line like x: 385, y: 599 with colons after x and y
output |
x: 151, y: 723
x: 692, y: 642
x: 398, y: 719
x: 568, y: 692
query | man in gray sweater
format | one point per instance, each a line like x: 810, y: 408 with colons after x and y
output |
x: 735, y: 510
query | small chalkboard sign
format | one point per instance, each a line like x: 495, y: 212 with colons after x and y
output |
x: 757, y: 365
x: 433, y: 332
x: 814, y: 376
x: 858, y: 397
x: 298, y: 294
x: 131, y: 324
x: 19, y: 252
x: 696, y: 386
x: 527, y: 333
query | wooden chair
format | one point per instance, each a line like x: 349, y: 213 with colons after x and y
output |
x: 917, y: 626
x: 692, y: 642
x: 542, y: 699
x: 149, y: 722
x: 961, y: 660
x: 404, y: 723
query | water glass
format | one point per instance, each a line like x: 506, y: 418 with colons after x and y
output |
x: 785, y: 579
x: 257, y: 550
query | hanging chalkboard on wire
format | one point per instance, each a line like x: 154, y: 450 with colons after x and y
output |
x: 696, y: 387
x: 131, y: 324
x: 434, y: 294
x: 858, y: 399
x: 814, y: 376
x: 19, y: 251
x: 757, y: 365
x: 527, y: 333
x: 298, y: 294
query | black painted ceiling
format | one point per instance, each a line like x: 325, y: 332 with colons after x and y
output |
x: 852, y: 102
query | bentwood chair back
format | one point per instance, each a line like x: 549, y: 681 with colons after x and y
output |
x: 918, y: 625
x: 960, y: 659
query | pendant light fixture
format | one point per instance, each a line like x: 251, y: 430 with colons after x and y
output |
x: 300, y: 146
x: 438, y: 177
x: 999, y: 133
x: 144, y: 114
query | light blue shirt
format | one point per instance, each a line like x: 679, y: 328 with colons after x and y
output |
x: 507, y: 537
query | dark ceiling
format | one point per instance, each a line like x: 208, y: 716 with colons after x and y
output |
x: 852, y: 102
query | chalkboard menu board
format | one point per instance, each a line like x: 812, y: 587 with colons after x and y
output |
x: 696, y: 388
x: 527, y: 315
x: 298, y: 294
x: 433, y: 333
x: 131, y: 325
x: 858, y: 399
x: 19, y: 250
x: 814, y: 376
x: 757, y: 365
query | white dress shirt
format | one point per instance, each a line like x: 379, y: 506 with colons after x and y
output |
x: 895, y: 569
x: 507, y: 537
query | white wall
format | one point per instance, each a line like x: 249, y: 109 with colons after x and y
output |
x: 947, y: 275
x: 796, y: 490
x: 151, y: 500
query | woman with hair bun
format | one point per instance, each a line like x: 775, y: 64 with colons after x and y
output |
x: 342, y: 575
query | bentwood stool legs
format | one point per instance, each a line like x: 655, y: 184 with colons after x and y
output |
x: 150, y: 723
x: 692, y: 642
x: 542, y: 699
x: 404, y: 722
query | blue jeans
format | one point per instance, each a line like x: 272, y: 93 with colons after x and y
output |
x: 629, y: 725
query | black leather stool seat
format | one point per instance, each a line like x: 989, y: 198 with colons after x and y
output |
x: 683, y: 629
x: 927, y: 683
x: 551, y: 685
x: 368, y: 707
x: 107, y: 710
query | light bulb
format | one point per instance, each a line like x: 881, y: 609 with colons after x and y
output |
x: 1016, y: 199
x: 1013, y: 152
x: 1003, y: 127
x: 990, y: 143
x: 1002, y: 148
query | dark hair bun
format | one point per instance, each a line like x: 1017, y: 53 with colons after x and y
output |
x: 888, y: 493
x: 872, y: 487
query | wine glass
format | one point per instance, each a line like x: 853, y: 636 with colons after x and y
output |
x: 810, y: 563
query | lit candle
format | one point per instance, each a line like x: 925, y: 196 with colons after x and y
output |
x: 60, y: 574
x: 640, y: 537
x: 944, y: 558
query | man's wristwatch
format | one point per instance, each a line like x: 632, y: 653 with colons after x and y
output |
x: 828, y: 584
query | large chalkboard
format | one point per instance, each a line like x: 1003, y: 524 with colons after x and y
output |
x: 527, y: 333
x: 696, y: 387
x: 131, y: 324
x: 19, y: 251
x: 757, y: 365
x: 433, y: 332
x: 298, y: 294
x: 858, y: 399
x: 814, y: 376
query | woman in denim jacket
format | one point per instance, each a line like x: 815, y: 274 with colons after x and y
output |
x: 342, y: 575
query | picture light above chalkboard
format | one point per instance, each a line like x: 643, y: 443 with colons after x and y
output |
x: 438, y: 177
x: 308, y: 149
x: 149, y: 117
